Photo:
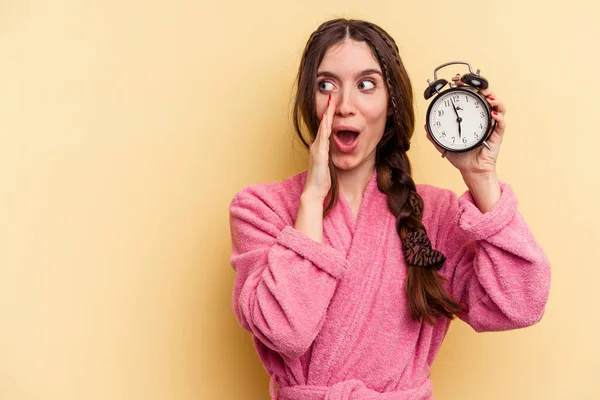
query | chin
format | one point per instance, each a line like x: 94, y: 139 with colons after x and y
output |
x: 345, y: 162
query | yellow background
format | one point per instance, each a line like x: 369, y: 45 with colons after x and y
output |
x: 127, y: 126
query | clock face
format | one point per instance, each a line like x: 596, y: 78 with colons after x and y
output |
x: 459, y: 119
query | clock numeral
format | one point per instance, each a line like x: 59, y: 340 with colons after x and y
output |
x: 481, y: 126
x: 447, y: 103
x: 456, y: 98
x: 476, y: 135
x: 453, y: 139
x: 443, y: 133
x: 438, y: 123
x: 467, y: 98
x: 440, y: 113
x: 464, y: 140
x: 476, y: 104
x: 482, y: 114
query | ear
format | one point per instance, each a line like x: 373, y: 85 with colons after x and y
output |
x: 390, y: 111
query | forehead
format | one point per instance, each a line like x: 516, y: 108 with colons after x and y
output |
x: 349, y: 57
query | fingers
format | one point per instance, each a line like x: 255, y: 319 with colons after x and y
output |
x: 459, y: 82
x: 496, y: 104
x: 487, y: 92
x: 500, y: 124
x: 325, y: 126
x: 329, y: 111
x: 498, y: 111
x: 498, y: 107
x: 324, y: 132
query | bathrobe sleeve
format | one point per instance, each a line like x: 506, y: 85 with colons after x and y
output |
x: 284, y: 280
x: 495, y: 268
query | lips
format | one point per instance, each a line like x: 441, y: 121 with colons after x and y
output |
x: 345, y: 138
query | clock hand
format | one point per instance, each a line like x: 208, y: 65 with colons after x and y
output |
x: 458, y: 118
x: 453, y: 106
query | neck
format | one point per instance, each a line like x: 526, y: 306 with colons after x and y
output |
x: 352, y: 184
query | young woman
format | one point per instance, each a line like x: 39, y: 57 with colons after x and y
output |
x: 349, y: 274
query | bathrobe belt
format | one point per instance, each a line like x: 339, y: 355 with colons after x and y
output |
x: 351, y: 390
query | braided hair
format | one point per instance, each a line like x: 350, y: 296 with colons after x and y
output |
x: 427, y: 298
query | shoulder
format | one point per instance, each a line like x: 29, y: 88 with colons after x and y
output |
x: 436, y: 197
x: 280, y: 197
x: 439, y: 206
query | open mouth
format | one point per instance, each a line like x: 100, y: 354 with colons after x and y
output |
x: 346, y: 138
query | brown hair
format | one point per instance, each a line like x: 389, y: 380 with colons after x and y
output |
x: 427, y: 298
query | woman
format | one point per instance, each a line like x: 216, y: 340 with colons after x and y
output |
x: 348, y: 274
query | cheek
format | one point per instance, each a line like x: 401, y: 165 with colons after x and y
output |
x: 375, y: 105
x: 376, y: 112
x: 320, y: 103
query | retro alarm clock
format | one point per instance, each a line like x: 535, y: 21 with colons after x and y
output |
x: 459, y: 118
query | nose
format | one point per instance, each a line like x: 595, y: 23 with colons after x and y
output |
x: 345, y: 104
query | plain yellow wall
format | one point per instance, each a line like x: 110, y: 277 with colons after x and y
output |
x: 127, y: 126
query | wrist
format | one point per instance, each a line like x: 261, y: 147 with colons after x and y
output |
x: 309, y: 198
x: 480, y: 179
x: 310, y: 217
x: 485, y: 189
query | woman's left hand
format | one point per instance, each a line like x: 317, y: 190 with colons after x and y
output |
x: 480, y: 160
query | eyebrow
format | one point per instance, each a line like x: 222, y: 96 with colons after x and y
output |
x: 360, y: 74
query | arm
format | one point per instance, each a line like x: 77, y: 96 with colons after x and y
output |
x: 284, y: 279
x: 495, y: 268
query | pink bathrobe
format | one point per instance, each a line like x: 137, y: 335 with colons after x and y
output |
x: 331, y: 321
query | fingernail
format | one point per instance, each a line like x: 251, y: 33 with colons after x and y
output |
x: 329, y: 100
x: 491, y: 98
x: 457, y: 74
x: 494, y: 112
x: 322, y: 115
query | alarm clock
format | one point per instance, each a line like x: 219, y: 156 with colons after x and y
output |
x: 459, y: 118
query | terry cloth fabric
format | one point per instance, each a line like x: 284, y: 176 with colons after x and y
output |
x: 330, y: 320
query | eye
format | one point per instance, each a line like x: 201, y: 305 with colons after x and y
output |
x: 325, y: 86
x: 367, y: 85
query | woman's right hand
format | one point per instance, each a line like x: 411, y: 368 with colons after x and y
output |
x: 318, y: 179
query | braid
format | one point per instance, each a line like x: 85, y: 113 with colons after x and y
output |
x: 318, y: 32
x: 392, y: 95
x: 427, y: 298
